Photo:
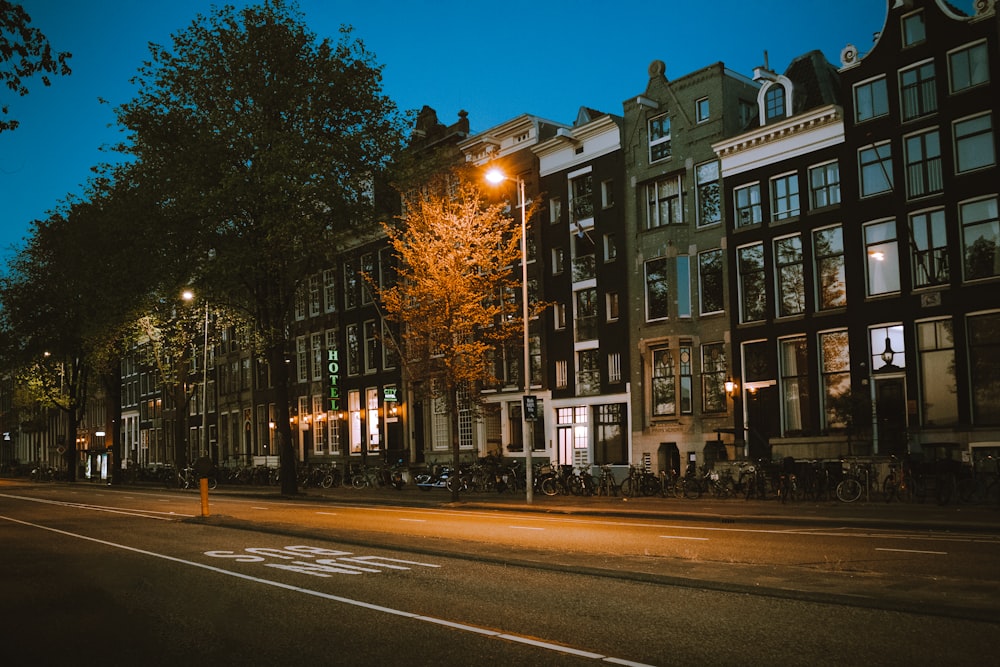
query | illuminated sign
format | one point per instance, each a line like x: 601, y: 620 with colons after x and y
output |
x: 333, y: 380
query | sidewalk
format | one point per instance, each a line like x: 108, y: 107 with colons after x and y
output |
x: 873, y: 514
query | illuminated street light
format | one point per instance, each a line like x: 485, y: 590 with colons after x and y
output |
x: 496, y: 176
x: 188, y: 295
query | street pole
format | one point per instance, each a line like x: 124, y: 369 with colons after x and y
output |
x: 527, y: 427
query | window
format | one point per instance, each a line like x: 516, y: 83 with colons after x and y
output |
x: 790, y: 275
x: 353, y: 350
x: 562, y: 378
x: 663, y: 385
x: 969, y: 67
x: 559, y: 315
x: 612, y: 302
x: 558, y: 260
x: 828, y: 251
x: 835, y: 360
x: 610, y: 248
x: 888, y: 349
x: 870, y: 100
x: 710, y: 281
x: 663, y: 202
x: 659, y: 138
x: 352, y: 292
x: 784, y: 197
x: 302, y: 357
x: 794, y: 368
x: 774, y: 103
x: 922, y: 153
x: 300, y: 303
x: 607, y: 194
x: 929, y: 248
x: 683, y: 286
x: 753, y: 298
x: 390, y: 354
x: 980, y: 238
x: 876, y: 169
x: 984, y: 367
x: 614, y: 367
x: 917, y: 92
x: 713, y: 377
x: 330, y: 290
x: 882, y: 257
x: 686, y: 380
x: 371, y: 347
x: 367, y: 274
x: 588, y: 373
x: 938, y: 389
x: 582, y: 198
x: 824, y: 185
x: 701, y: 110
x: 708, y: 193
x: 555, y: 209
x: 316, y: 343
x: 657, y: 294
x: 914, y: 31
x: 748, y: 210
x: 315, y: 301
x: 535, y: 358
x: 585, y: 318
x: 974, y: 143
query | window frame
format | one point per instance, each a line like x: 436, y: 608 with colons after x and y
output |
x: 756, y: 209
x: 883, y: 163
x: 787, y: 205
x: 985, y: 136
x: 924, y: 170
x: 708, y: 193
x: 970, y: 65
x: 871, y: 94
x: 881, y: 249
x: 928, y: 230
x: 918, y: 97
x: 659, y: 138
x: 673, y: 201
x: 784, y: 262
x: 752, y: 284
x: 663, y: 282
x: 829, y: 188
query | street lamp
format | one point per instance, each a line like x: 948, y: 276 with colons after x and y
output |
x: 496, y: 176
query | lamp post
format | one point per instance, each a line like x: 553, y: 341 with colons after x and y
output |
x: 188, y: 296
x: 496, y: 176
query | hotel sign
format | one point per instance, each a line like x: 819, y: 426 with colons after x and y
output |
x: 333, y: 380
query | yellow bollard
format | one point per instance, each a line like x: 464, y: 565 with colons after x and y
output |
x: 203, y: 486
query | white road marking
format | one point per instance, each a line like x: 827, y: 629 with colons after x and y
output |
x: 328, y: 513
x: 550, y: 646
x: 683, y: 537
x: 914, y: 551
x: 526, y: 527
x: 414, y: 520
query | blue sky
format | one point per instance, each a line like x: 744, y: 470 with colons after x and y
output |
x: 495, y: 60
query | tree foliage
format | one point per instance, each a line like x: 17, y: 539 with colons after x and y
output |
x: 24, y: 53
x: 261, y: 144
x: 455, y: 298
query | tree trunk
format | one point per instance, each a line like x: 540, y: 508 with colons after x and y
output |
x: 282, y: 425
x: 113, y: 423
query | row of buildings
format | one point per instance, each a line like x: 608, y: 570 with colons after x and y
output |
x: 799, y: 263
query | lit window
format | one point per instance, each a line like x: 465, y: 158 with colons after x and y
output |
x: 882, y: 258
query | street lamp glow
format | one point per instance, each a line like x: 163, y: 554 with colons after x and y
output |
x: 496, y: 176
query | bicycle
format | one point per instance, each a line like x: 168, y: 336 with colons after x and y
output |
x: 640, y: 482
x: 861, y: 478
x: 898, y: 483
x: 606, y: 485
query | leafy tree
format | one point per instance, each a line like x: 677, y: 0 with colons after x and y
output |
x: 261, y: 144
x: 453, y: 298
x: 24, y: 52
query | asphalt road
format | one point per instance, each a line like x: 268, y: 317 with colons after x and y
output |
x: 120, y: 576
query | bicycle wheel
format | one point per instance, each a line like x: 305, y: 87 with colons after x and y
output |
x: 358, y: 481
x: 692, y: 489
x: 549, y: 486
x: 629, y: 488
x: 849, y: 490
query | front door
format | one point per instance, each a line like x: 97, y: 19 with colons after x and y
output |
x: 890, y: 411
x: 763, y: 419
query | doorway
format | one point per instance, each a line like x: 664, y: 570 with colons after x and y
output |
x: 890, y: 414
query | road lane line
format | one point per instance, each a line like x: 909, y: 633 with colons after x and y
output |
x: 415, y: 520
x: 464, y: 627
x: 683, y: 537
x: 914, y: 551
x: 146, y: 514
x: 328, y: 513
x: 526, y: 527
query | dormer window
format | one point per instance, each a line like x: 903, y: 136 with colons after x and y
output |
x: 914, y: 30
x: 659, y: 138
x: 774, y: 103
